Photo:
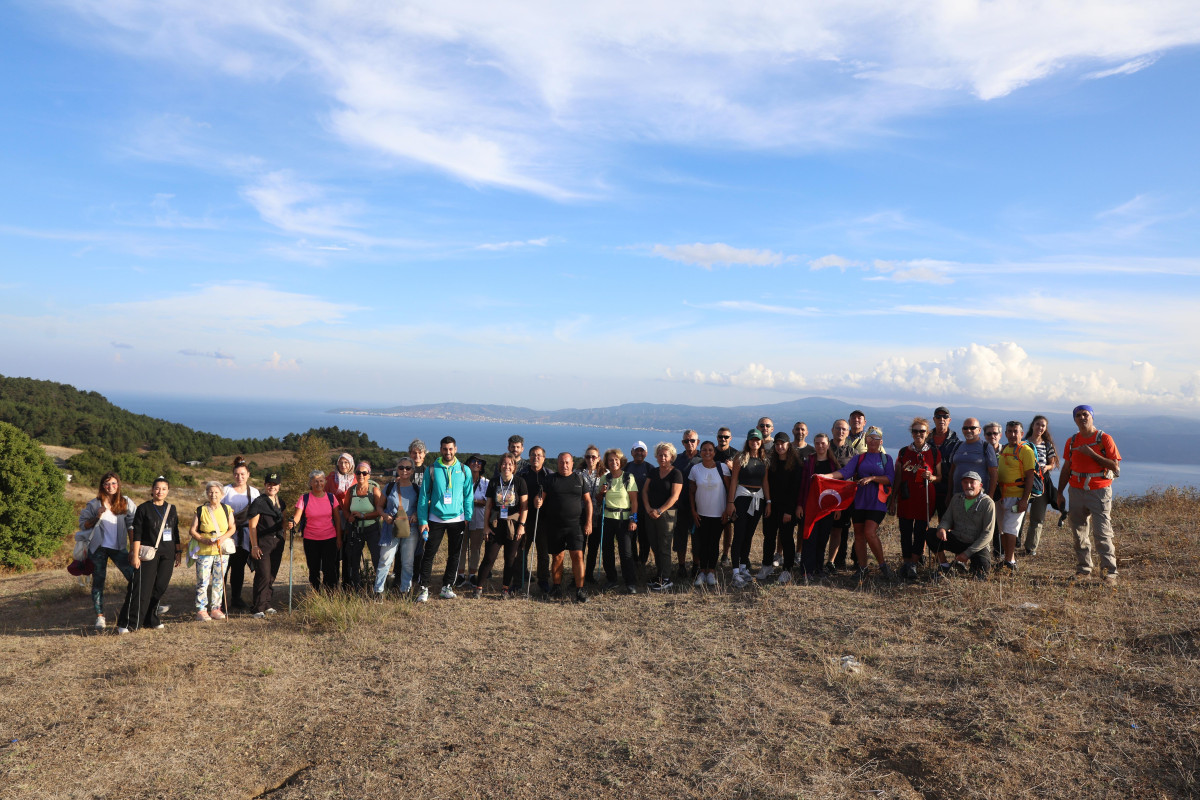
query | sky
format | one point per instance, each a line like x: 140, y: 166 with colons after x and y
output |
x: 552, y: 206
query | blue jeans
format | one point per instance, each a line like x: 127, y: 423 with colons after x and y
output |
x: 387, y: 556
x: 100, y: 559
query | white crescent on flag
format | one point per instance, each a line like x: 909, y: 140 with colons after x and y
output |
x: 837, y: 498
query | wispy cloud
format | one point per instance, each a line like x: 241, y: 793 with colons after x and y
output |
x: 831, y: 260
x: 542, y: 242
x: 1128, y: 68
x: 121, y: 346
x: 719, y: 254
x: 219, y: 356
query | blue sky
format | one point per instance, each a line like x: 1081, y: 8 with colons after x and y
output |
x: 671, y: 202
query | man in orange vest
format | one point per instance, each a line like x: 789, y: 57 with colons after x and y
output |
x: 1090, y: 463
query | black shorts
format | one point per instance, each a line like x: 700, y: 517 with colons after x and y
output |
x: 863, y: 515
x: 570, y: 538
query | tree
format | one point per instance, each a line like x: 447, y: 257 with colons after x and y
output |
x: 312, y: 452
x: 34, y: 513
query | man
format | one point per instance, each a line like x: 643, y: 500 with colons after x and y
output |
x: 766, y: 427
x: 991, y: 435
x: 443, y: 508
x: 566, y: 510
x: 535, y: 475
x: 800, y: 441
x: 966, y: 530
x: 1090, y: 463
x: 639, y: 468
x: 839, y: 535
x: 858, y: 431
x: 685, y: 459
x: 725, y: 455
x: 1018, y: 463
x: 973, y: 454
x: 516, y: 446
x: 946, y: 441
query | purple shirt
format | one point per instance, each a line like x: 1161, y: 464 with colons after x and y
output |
x: 869, y: 465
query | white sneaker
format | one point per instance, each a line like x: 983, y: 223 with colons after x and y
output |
x: 258, y: 615
x: 122, y: 630
x: 785, y: 578
x: 448, y: 593
x: 699, y: 579
x: 777, y: 561
x: 765, y: 572
x: 159, y: 627
x: 163, y: 609
x: 711, y: 578
x: 100, y: 623
x: 272, y: 611
x: 739, y: 579
x: 423, y: 595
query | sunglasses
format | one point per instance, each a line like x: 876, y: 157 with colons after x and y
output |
x: 941, y: 416
x: 690, y: 440
x: 920, y: 430
x: 970, y: 427
x: 404, y: 469
x: 723, y: 438
x: 364, y: 472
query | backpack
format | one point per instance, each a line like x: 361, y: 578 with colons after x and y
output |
x: 304, y: 508
x: 1039, y: 478
x: 1097, y: 441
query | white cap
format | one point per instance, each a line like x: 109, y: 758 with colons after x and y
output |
x: 638, y: 444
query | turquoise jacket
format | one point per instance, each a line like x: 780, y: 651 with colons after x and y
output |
x: 441, y: 481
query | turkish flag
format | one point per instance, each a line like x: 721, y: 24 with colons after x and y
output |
x: 825, y: 496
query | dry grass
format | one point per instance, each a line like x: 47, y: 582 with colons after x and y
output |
x: 965, y: 691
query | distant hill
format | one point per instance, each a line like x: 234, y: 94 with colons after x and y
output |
x: 1158, y: 439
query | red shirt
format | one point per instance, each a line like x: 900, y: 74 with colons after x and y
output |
x: 920, y: 501
x: 1082, y: 463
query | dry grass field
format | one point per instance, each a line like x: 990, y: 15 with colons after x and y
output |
x: 1025, y: 686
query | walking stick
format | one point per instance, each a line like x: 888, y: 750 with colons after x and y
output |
x: 927, y: 510
x: 529, y: 577
x: 291, y: 562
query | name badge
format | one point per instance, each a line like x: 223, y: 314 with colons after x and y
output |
x: 167, y: 535
x: 503, y: 512
x: 448, y: 498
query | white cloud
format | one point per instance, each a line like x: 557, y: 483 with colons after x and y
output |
x: 1128, y: 68
x: 217, y: 355
x: 1144, y: 375
x: 512, y: 95
x: 278, y: 362
x: 919, y: 271
x: 719, y: 255
x: 831, y: 260
x: 293, y: 205
x: 542, y: 242
x: 242, y: 306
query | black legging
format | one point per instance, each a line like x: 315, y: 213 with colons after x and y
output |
x: 322, y: 558
x: 706, y: 542
x: 617, y: 530
x: 774, y: 527
x: 812, y: 550
x: 453, y: 532
x: 149, y: 584
x: 743, y: 529
x: 912, y: 536
x: 266, y: 569
x: 502, y: 538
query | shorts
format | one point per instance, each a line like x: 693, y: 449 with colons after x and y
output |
x: 1010, y: 518
x: 565, y: 539
x: 862, y: 515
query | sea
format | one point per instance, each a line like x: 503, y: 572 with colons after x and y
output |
x: 241, y: 419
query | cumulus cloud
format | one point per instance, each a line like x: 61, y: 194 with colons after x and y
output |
x: 510, y: 95
x: 278, y: 362
x: 995, y: 372
x: 831, y: 260
x: 719, y: 254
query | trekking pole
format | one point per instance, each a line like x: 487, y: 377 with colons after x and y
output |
x: 291, y: 563
x: 536, y: 520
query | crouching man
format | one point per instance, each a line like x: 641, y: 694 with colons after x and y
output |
x: 966, y: 529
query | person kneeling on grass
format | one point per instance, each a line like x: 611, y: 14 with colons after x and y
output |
x: 966, y: 529
x: 567, y: 505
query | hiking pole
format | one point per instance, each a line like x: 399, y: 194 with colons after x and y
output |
x: 291, y: 563
x: 536, y: 520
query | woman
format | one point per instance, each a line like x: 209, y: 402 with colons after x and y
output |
x: 780, y: 525
x: 213, y: 525
x: 155, y: 528
x: 343, y: 477
x: 708, y: 483
x: 918, y: 471
x: 475, y: 524
x: 842, y: 450
x: 321, y: 527
x: 417, y: 452
x: 812, y: 551
x: 238, y: 496
x: 592, y: 473
x: 1047, y: 458
x: 399, y: 528
x: 619, y: 519
x: 749, y: 499
x: 109, y: 517
x: 874, y: 472
x: 266, y: 545
x: 660, y: 494
x: 505, y: 510
x: 361, y: 508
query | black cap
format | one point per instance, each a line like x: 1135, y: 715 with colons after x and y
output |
x: 941, y: 410
x: 273, y: 478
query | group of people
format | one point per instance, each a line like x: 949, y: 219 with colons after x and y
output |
x: 988, y: 496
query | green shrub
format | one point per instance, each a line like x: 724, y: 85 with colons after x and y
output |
x: 34, y: 514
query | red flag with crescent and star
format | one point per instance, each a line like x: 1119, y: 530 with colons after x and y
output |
x: 825, y: 496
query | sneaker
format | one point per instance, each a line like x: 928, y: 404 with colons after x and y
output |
x: 1030, y: 553
x: 654, y: 585
x: 861, y: 574
x: 943, y: 571
x: 630, y: 590
x: 163, y: 609
x: 580, y: 595
x: 666, y: 584
x: 239, y: 604
x: 959, y: 566
x: 710, y: 578
x: 423, y: 595
x: 830, y: 569
x: 785, y: 578
x: 478, y: 593
x: 263, y: 614
x: 203, y: 616
x: 1110, y: 579
x: 505, y: 594
x: 217, y: 613
x: 272, y: 611
x: 886, y: 572
x: 699, y: 580
x: 158, y: 627
x: 725, y: 562
x: 765, y: 572
x: 100, y: 622
x: 1011, y: 566
x: 462, y: 580
x: 555, y: 592
x: 122, y: 630
x: 739, y: 580
x: 447, y: 593
x: 777, y: 561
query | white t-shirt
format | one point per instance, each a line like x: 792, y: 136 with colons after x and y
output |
x: 112, y: 529
x: 710, y: 489
x: 239, y: 502
x: 477, y: 514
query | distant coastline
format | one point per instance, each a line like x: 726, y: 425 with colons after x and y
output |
x: 441, y: 415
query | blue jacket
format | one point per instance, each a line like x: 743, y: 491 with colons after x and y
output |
x: 440, y: 480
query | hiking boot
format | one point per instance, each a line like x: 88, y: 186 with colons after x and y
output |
x: 555, y: 592
x: 886, y: 572
x: 447, y: 593
x: 580, y: 595
x: 478, y: 593
x: 785, y: 578
x: 423, y: 595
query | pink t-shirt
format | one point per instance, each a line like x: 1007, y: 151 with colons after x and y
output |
x: 318, y: 516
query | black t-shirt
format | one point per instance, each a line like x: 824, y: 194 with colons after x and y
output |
x: 270, y: 518
x: 658, y: 489
x: 639, y: 472
x: 511, y: 497
x: 804, y: 452
x: 753, y: 473
x: 725, y: 454
x: 146, y: 520
x: 564, y: 500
